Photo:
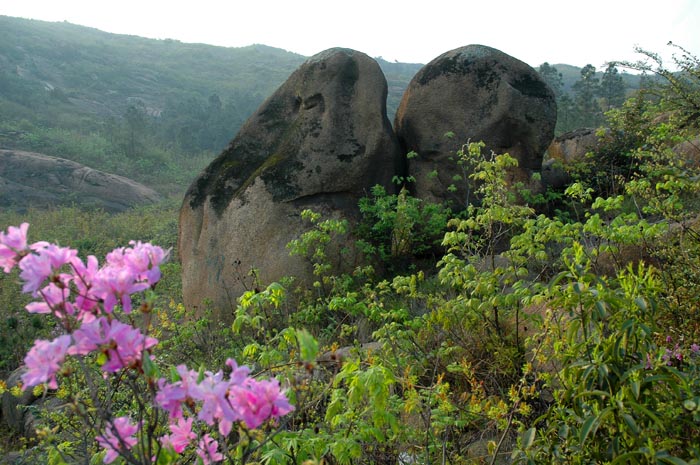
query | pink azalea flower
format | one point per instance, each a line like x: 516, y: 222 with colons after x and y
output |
x: 117, y: 437
x: 11, y: 244
x: 238, y: 374
x: 145, y: 259
x: 89, y: 336
x: 38, y: 267
x: 8, y: 258
x: 44, y: 360
x: 16, y: 238
x: 212, y: 393
x: 84, y: 275
x: 171, y: 396
x: 55, y: 299
x: 208, y: 450
x: 126, y: 346
x: 116, y: 284
x: 257, y: 401
x: 181, y: 435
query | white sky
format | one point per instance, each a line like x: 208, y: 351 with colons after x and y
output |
x: 558, y: 31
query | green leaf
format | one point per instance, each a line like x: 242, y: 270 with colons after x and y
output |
x: 626, y: 458
x: 635, y: 387
x: 308, y: 345
x: 55, y: 458
x: 529, y: 437
x: 564, y: 432
x: 690, y: 404
x: 641, y: 303
x: 150, y: 369
x: 672, y: 460
x: 589, y: 426
x: 631, y: 424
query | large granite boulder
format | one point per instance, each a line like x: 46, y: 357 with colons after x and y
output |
x: 30, y: 179
x: 477, y: 93
x: 319, y: 142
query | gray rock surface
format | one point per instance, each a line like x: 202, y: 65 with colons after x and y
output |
x: 572, y: 146
x: 479, y: 94
x: 32, y: 179
x: 319, y: 142
x: 13, y: 408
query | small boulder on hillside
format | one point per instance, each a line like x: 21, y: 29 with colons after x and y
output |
x: 572, y: 146
x: 564, y: 150
x: 689, y: 152
x: 476, y: 93
x: 29, y: 179
x: 320, y: 142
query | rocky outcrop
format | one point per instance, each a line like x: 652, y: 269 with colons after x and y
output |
x: 689, y: 152
x: 572, y: 146
x: 319, y: 142
x: 476, y: 93
x: 14, y: 407
x: 32, y: 179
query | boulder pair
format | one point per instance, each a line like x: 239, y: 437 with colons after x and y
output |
x: 323, y: 140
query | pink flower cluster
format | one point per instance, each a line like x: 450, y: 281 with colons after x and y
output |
x: 224, y: 400
x: 84, y: 297
x: 81, y: 294
x: 117, y: 437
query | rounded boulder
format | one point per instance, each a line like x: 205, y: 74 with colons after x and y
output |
x: 320, y: 142
x: 473, y: 93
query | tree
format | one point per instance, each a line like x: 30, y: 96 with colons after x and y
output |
x: 586, y: 90
x: 553, y: 77
x: 566, y: 114
x: 135, y: 120
x: 677, y: 92
x: 612, y: 87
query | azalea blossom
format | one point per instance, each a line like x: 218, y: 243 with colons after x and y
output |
x: 54, y: 300
x: 84, y: 276
x: 67, y: 286
x: 257, y: 401
x: 145, y: 259
x: 11, y: 243
x: 115, y: 284
x: 181, y: 435
x: 117, y: 437
x: 44, y: 360
x: 208, y: 450
x: 127, y: 345
x: 38, y: 267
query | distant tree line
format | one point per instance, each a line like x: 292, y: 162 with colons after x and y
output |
x: 590, y: 97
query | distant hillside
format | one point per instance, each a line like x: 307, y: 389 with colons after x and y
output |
x: 102, y: 73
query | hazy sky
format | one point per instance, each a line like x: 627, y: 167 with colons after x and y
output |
x: 558, y: 31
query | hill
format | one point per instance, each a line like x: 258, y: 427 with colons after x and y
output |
x: 153, y: 110
x: 101, y: 73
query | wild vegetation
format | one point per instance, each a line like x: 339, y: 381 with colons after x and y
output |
x: 531, y: 327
